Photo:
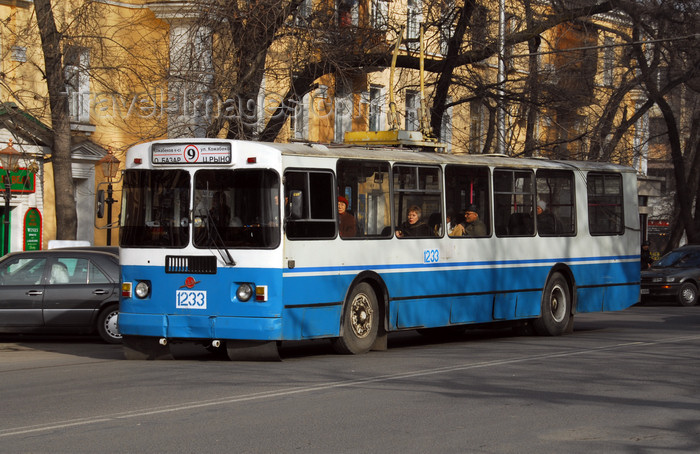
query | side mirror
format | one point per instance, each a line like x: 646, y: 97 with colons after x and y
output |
x: 295, y: 204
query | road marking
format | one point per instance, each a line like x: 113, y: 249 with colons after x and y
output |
x: 4, y: 433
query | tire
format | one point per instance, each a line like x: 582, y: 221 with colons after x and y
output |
x: 107, y: 325
x: 144, y: 348
x: 688, y: 294
x: 360, y: 323
x: 555, y: 308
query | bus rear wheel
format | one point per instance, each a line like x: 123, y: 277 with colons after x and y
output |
x: 142, y: 348
x: 360, y: 322
x: 556, y: 307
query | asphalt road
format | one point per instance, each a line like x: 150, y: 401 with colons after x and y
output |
x: 624, y: 382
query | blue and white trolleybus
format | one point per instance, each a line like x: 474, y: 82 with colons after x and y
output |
x: 236, y: 244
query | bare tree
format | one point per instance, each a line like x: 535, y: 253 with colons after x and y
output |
x: 672, y: 29
x: 51, y: 43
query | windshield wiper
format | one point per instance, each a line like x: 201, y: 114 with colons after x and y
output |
x: 217, y: 241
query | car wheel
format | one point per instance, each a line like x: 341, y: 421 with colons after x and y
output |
x: 107, y: 325
x: 688, y: 294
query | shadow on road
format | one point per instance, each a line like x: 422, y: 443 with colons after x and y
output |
x: 641, y: 318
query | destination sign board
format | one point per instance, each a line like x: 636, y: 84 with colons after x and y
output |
x: 193, y: 153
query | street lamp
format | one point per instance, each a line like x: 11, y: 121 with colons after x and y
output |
x: 110, y: 167
x: 9, y: 157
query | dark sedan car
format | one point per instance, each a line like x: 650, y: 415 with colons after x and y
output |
x: 60, y: 291
x: 675, y: 276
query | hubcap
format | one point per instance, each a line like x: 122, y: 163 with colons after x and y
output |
x: 558, y: 303
x: 111, y: 325
x: 688, y: 295
x: 361, y: 316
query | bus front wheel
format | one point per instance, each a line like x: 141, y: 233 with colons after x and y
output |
x: 360, y: 322
x: 556, y: 307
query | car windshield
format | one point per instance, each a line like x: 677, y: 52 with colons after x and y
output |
x: 680, y: 258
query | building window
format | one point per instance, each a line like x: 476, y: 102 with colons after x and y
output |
x: 260, y: 106
x: 447, y: 29
x: 299, y: 118
x: 77, y: 64
x: 301, y: 18
x: 414, y: 16
x: 479, y: 27
x: 348, y: 14
x: 376, y: 101
x: 19, y: 54
x: 412, y: 103
x: 446, y: 126
x: 380, y: 14
x: 343, y: 110
x: 608, y: 62
x: 476, y: 122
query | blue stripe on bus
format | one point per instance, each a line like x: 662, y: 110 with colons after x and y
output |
x: 326, y: 269
x: 307, y: 305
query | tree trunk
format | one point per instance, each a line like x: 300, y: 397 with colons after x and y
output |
x: 533, y: 86
x: 444, y: 81
x: 66, y: 215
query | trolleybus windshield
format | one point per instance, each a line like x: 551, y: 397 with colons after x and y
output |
x: 230, y: 209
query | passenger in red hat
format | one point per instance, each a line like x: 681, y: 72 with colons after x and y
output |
x: 346, y: 221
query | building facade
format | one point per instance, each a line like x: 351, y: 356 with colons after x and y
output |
x: 155, y: 69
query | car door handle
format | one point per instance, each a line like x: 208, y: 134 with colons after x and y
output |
x: 34, y: 293
x: 100, y: 292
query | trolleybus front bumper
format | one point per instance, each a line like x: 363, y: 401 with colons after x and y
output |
x: 200, y: 327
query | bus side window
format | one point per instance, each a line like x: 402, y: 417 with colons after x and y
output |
x: 310, y: 204
x: 365, y: 184
x: 417, y: 194
x: 605, y: 204
x: 466, y: 186
x: 556, y: 212
x: 514, y: 193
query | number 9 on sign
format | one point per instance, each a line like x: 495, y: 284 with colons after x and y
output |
x: 191, y: 153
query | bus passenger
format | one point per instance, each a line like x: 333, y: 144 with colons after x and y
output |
x: 472, y: 225
x: 547, y: 223
x: 435, y: 223
x: 414, y: 226
x: 346, y: 221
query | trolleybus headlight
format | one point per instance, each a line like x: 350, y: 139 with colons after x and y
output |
x: 143, y: 288
x: 244, y: 292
